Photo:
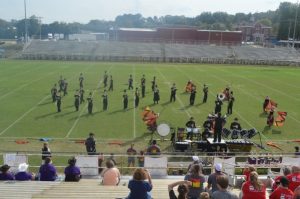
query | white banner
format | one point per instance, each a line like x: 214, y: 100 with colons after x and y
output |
x: 156, y: 166
x: 88, y: 165
x: 13, y: 160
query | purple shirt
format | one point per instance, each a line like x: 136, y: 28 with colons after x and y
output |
x: 139, y: 189
x: 6, y: 176
x: 23, y: 176
x: 47, y: 172
x: 72, y: 173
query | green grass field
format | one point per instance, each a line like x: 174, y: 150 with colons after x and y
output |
x: 27, y: 111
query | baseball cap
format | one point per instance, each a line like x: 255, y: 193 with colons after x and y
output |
x: 218, y: 167
x: 23, y: 167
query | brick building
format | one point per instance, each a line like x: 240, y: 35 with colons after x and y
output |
x: 255, y: 33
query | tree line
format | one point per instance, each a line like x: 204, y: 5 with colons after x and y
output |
x: 282, y: 21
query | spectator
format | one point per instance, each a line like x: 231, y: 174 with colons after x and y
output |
x: 131, y: 152
x: 212, y: 178
x: 195, y: 161
x: 153, y: 149
x: 283, y: 191
x: 110, y: 175
x: 197, y: 179
x: 112, y: 158
x: 141, y: 159
x: 204, y: 195
x: 5, y: 175
x: 247, y: 172
x: 253, y: 188
x: 286, y: 172
x: 297, y: 153
x: 90, y: 144
x: 294, y: 178
x: 297, y: 193
x: 23, y: 175
x: 182, y: 189
x: 100, y: 161
x: 139, y: 187
x: 47, y: 171
x: 46, y: 152
x: 72, y: 172
x: 223, y: 193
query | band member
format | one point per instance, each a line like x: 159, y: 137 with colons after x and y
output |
x: 265, y: 104
x: 81, y: 80
x: 156, y: 96
x: 61, y: 84
x: 193, y: 95
x: 130, y: 82
x: 90, y: 103
x: 230, y: 104
x: 81, y: 92
x: 205, y: 92
x: 235, y: 125
x: 136, y: 97
x: 153, y: 82
x: 189, y: 85
x: 219, y: 123
x: 150, y: 117
x: 143, y: 86
x: 65, y: 87
x: 208, y: 127
x: 190, y: 125
x: 105, y: 79
x: 90, y: 144
x: 270, y: 119
x: 125, y: 100
x: 77, y: 100
x: 227, y: 92
x: 111, y: 84
x: 173, y: 93
x: 105, y: 100
x: 58, y: 101
x: 53, y: 93
x: 218, y: 106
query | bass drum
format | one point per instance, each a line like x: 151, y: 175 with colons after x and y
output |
x: 163, y: 129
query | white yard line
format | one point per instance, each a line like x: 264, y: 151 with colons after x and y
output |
x: 24, y: 85
x: 177, y: 97
x: 24, y: 115
x: 84, y: 109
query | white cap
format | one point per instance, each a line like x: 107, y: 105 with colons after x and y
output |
x: 195, y: 158
x: 23, y: 167
x: 218, y: 167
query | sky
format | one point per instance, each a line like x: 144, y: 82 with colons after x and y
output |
x: 84, y: 10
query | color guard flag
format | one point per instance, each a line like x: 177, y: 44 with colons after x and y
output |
x: 280, y: 119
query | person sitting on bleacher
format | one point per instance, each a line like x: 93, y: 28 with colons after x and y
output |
x: 5, y: 174
x: 197, y: 179
x: 23, y: 175
x: 223, y: 192
x: 110, y: 175
x: 182, y: 189
x: 47, y: 171
x: 139, y: 187
x: 253, y: 188
x: 283, y: 190
x: 72, y: 172
x: 153, y: 149
x: 294, y: 178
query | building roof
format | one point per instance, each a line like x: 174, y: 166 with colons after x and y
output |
x: 138, y: 29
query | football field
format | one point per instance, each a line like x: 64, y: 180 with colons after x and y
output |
x: 27, y: 111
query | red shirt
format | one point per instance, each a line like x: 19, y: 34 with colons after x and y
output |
x: 276, y: 180
x: 246, y: 173
x: 294, y: 179
x: 249, y: 192
x: 282, y: 193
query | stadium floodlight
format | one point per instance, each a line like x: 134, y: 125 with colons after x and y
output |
x: 26, y: 29
x: 295, y: 23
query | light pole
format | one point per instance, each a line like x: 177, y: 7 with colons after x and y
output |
x: 26, y: 31
x: 40, y: 22
x: 295, y: 24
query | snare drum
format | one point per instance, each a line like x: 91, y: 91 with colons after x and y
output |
x: 196, y: 130
x: 189, y: 129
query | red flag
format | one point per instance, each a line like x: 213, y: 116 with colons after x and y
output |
x: 280, y: 119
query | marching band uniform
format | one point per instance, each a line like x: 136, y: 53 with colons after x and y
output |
x: 191, y: 125
x: 218, y: 106
x: 143, y: 86
x: 219, y: 123
x: 65, y: 87
x: 235, y: 125
x: 105, y: 79
x: 136, y: 97
x: 61, y: 84
x: 153, y: 83
x: 77, y: 100
x: 156, y: 97
x: 230, y: 105
x: 90, y: 103
x: 130, y: 81
x: 53, y: 93
x: 192, y: 96
x: 265, y: 104
x: 173, y: 93
x: 81, y: 92
x: 58, y: 102
x: 125, y: 100
x: 205, y: 92
x: 111, y: 84
x: 270, y: 119
x: 81, y: 80
x: 105, y: 100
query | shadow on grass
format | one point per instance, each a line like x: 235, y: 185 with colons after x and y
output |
x: 185, y: 107
x: 45, y: 103
x: 199, y: 104
x: 266, y: 130
x: 263, y: 115
x: 64, y: 114
x: 276, y: 132
x: 166, y: 103
x: 45, y: 115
